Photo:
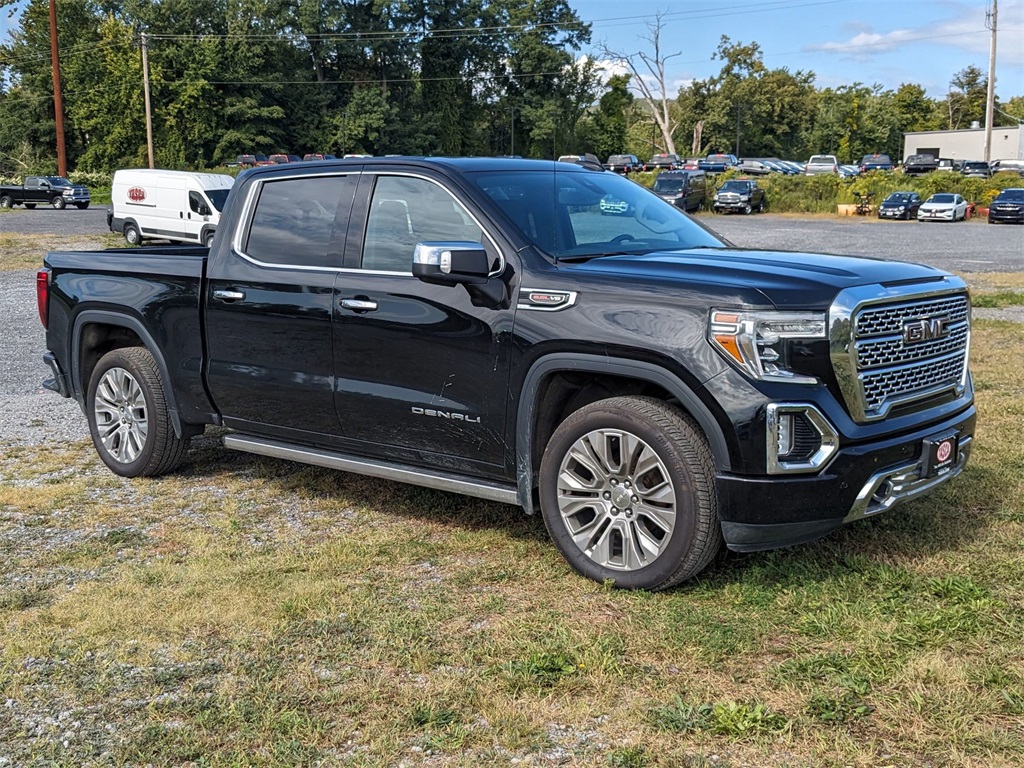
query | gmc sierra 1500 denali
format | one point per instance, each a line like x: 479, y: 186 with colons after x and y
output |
x: 477, y: 326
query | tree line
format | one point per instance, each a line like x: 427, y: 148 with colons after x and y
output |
x: 431, y: 77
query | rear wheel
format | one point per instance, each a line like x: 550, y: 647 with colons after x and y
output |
x: 6, y: 202
x: 59, y: 203
x: 628, y: 494
x: 132, y: 235
x: 128, y: 415
x: 30, y: 206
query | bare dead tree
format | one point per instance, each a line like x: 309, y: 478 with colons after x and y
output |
x: 648, y: 77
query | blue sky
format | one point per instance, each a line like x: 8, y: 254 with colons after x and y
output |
x: 841, y: 41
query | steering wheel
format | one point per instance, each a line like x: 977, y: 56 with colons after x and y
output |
x: 622, y: 238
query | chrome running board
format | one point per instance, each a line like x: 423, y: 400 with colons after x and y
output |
x: 480, y: 489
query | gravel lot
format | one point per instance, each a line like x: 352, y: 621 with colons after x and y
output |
x: 30, y: 413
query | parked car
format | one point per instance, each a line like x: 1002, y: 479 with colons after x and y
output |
x: 917, y: 165
x: 718, y: 163
x: 977, y: 169
x: 587, y: 160
x: 282, y: 158
x: 943, y: 206
x: 153, y: 204
x: 849, y: 171
x: 623, y: 163
x: 741, y: 195
x: 684, y: 189
x: 44, y: 190
x: 821, y: 164
x: 875, y: 162
x: 750, y: 167
x: 900, y: 205
x: 317, y: 156
x: 650, y: 391
x: 1008, y: 207
x: 1008, y: 166
x: 663, y: 162
x: 949, y: 164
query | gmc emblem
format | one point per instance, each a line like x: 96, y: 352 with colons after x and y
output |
x: 136, y: 194
x: 924, y: 330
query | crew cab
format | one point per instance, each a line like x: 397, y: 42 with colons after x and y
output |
x: 476, y: 325
x: 918, y: 165
x: 45, y: 190
x: 739, y: 195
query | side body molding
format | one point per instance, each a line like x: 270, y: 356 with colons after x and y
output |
x: 635, y: 369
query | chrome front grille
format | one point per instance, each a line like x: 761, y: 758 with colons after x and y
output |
x: 891, y: 348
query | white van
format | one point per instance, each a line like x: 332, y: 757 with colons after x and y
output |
x: 181, y: 206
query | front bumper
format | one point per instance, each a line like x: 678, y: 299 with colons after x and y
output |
x: 935, y: 215
x: 760, y: 513
x: 891, y: 213
x: 1008, y: 216
x: 732, y: 205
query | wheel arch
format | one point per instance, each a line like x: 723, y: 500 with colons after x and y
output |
x: 645, y: 375
x: 97, y: 332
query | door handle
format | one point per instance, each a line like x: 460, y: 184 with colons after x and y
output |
x: 229, y: 295
x: 359, y: 305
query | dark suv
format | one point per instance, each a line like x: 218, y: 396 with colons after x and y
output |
x: 684, y: 189
x: 739, y: 195
x: 875, y: 162
x: 1009, y: 206
x: 624, y: 163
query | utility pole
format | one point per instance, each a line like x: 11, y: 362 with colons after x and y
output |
x: 58, y: 101
x: 149, y: 111
x: 737, y: 130
x: 990, y: 102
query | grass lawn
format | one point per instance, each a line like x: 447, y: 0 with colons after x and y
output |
x: 247, y: 611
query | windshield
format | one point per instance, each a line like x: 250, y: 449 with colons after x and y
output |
x: 619, y: 159
x: 667, y: 185
x: 875, y: 159
x: 560, y: 213
x: 58, y: 181
x: 734, y: 186
x: 822, y: 160
x: 218, y: 197
x: 941, y: 199
x: 719, y: 158
x: 898, y: 197
x: 1011, y: 195
x: 664, y: 159
x: 976, y: 165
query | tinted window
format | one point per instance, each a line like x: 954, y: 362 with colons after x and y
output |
x: 218, y: 197
x: 822, y: 160
x: 1011, y: 195
x: 942, y: 198
x: 560, y: 212
x: 405, y: 211
x: 301, y: 222
x: 195, y: 200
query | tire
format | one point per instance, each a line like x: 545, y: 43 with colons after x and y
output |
x: 747, y: 209
x: 208, y: 238
x: 132, y: 235
x: 128, y: 415
x: 597, y: 514
x: 59, y: 203
x: 81, y: 206
x: 30, y: 206
x: 760, y: 207
x: 6, y: 202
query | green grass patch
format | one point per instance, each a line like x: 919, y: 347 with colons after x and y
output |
x: 998, y: 300
x: 252, y: 611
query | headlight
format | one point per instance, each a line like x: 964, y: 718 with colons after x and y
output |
x: 69, y: 191
x: 744, y: 197
x: 755, y: 341
x: 716, y: 195
x: 901, y: 209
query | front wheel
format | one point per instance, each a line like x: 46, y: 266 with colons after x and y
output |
x: 59, y: 203
x: 132, y: 235
x: 81, y: 206
x: 747, y: 210
x: 628, y: 493
x: 128, y: 415
x: 208, y: 239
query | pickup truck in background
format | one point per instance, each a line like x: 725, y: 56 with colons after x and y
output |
x: 718, y: 163
x: 918, y: 165
x: 476, y: 325
x: 45, y: 190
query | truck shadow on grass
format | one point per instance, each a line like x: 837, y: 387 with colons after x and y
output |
x: 967, y: 509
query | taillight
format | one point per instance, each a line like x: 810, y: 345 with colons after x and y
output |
x: 43, y: 295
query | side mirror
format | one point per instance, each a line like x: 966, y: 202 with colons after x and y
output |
x: 203, y: 210
x: 451, y: 263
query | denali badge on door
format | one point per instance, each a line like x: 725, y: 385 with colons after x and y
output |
x: 939, y: 454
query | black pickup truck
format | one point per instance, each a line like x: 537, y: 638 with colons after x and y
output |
x: 476, y: 325
x: 45, y: 190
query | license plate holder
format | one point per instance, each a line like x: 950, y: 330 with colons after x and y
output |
x: 940, y: 453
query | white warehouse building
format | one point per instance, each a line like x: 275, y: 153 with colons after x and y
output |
x: 966, y: 143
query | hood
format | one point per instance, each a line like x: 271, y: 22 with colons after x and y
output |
x: 787, y: 280
x: 937, y: 206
